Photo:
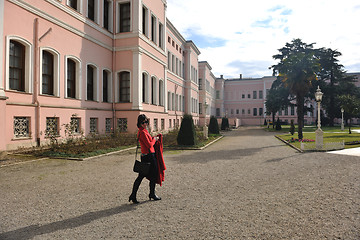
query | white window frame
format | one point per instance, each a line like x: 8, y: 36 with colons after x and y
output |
x: 78, y: 84
x: 56, y: 55
x: 96, y: 82
x: 109, y: 79
x: 28, y: 63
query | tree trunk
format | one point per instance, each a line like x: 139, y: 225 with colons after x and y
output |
x: 273, y: 120
x: 300, y: 114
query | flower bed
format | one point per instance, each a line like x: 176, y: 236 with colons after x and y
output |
x: 292, y: 140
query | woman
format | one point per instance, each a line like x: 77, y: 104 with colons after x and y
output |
x: 147, y: 143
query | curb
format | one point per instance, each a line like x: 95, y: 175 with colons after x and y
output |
x: 297, y: 149
x: 200, y: 148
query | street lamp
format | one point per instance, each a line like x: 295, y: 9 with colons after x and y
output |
x: 319, y: 133
x: 342, y: 119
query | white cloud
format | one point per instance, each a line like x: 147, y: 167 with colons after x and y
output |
x: 254, y: 30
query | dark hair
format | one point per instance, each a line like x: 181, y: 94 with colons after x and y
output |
x: 141, y: 119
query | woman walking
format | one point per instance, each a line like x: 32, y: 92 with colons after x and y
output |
x: 157, y: 166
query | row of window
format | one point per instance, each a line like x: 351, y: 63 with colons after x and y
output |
x: 255, y: 111
x: 176, y: 65
x: 175, y: 45
x: 176, y: 102
x: 157, y: 28
x: 231, y: 95
x: 19, y: 77
x: 22, y: 126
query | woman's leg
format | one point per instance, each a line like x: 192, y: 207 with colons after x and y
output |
x: 136, y: 186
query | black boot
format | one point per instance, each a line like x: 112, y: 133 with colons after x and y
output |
x: 152, y: 194
x: 135, y: 189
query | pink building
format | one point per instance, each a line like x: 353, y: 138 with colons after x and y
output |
x: 96, y: 63
x: 242, y: 100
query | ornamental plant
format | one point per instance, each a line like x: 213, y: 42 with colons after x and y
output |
x: 213, y: 125
x: 224, y: 123
x: 187, y: 133
x: 292, y: 127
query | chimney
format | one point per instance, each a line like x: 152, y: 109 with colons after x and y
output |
x: 240, y: 76
x: 221, y: 76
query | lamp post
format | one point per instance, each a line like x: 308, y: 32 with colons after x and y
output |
x: 342, y: 119
x: 205, y: 127
x: 319, y: 133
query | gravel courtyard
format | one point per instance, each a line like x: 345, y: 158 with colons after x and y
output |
x: 248, y: 185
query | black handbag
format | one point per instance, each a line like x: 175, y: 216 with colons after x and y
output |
x: 142, y: 168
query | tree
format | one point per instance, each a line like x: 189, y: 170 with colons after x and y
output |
x: 332, y: 76
x: 276, y: 99
x: 187, y: 133
x: 296, y: 72
x: 225, y: 123
x: 213, y: 125
x: 351, y: 106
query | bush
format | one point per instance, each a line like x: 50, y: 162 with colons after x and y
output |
x: 225, y: 123
x: 292, y: 127
x: 213, y: 125
x: 278, y: 125
x: 187, y: 133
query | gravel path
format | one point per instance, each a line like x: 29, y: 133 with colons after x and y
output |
x: 248, y: 185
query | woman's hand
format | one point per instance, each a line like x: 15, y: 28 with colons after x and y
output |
x: 156, y: 138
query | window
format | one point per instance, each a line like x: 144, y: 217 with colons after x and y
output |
x: 217, y: 94
x: 162, y: 124
x: 153, y: 29
x: 161, y: 33
x: 106, y: 88
x: 161, y: 93
x: 52, y: 126
x: 108, y: 125
x: 261, y: 94
x: 286, y: 111
x: 237, y: 111
x: 91, y: 9
x: 169, y: 101
x: 248, y: 111
x: 261, y: 111
x: 169, y: 60
x: 47, y: 73
x: 71, y: 78
x: 122, y: 124
x: 145, y: 88
x: 21, y: 127
x: 218, y: 112
x: 93, y: 125
x: 124, y: 78
x: 292, y: 109
x: 106, y: 15
x: 169, y: 123
x: 169, y: 40
x: 155, y: 124
x: 145, y: 21
x: 90, y: 83
x: 75, y: 123
x: 242, y: 111
x: 124, y: 17
x: 200, y: 84
x: 200, y: 108
x: 74, y: 4
x: 17, y: 66
x: 243, y: 96
x: 254, y: 94
x: 249, y: 96
x: 254, y: 111
x: 153, y: 90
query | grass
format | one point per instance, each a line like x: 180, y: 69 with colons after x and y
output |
x: 331, y: 134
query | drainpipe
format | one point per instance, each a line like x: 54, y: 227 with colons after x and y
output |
x: 113, y: 68
x: 36, y: 82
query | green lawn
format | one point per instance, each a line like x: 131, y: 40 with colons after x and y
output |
x: 331, y: 134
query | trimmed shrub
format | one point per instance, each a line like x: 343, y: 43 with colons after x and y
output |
x: 292, y: 127
x: 187, y: 133
x: 278, y: 125
x: 213, y: 125
x: 225, y: 123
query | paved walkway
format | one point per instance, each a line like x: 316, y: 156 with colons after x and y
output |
x: 246, y: 186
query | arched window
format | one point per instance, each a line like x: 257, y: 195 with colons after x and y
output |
x: 124, y: 79
x: 106, y: 86
x: 17, y: 66
x: 161, y: 93
x: 153, y: 90
x: 50, y: 72
x: 145, y: 88
x: 90, y: 83
x: 72, y: 78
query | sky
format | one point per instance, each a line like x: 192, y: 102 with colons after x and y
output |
x: 240, y: 37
